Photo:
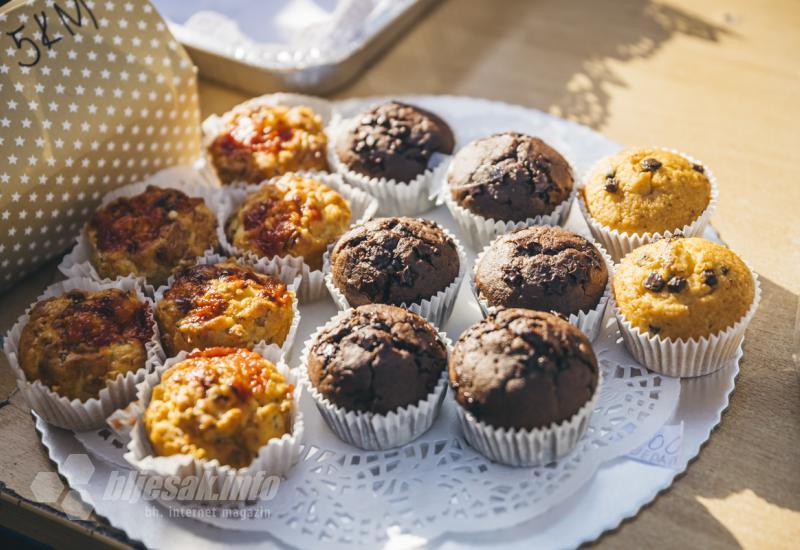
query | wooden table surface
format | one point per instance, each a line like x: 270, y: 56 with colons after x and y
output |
x: 717, y: 78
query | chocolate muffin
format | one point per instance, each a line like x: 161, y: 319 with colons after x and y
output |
x: 394, y: 141
x: 377, y: 359
x: 393, y: 261
x: 543, y: 268
x: 509, y: 177
x: 523, y: 369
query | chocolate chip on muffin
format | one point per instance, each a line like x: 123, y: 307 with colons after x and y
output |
x: 394, y: 141
x: 542, y: 268
x: 393, y: 261
x: 509, y: 177
x: 377, y: 359
x: 523, y: 369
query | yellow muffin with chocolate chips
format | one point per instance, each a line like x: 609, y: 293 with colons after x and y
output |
x: 683, y: 288
x: 646, y: 190
x: 290, y: 216
x: 225, y: 304
x: 221, y: 403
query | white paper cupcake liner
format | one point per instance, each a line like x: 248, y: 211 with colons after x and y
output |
x: 312, y: 285
x: 214, y: 125
x: 290, y: 276
x: 524, y: 448
x: 372, y: 431
x: 275, y: 458
x: 74, y: 414
x: 480, y: 231
x: 588, y: 321
x: 77, y: 263
x: 395, y: 198
x: 619, y: 243
x: 436, y: 309
x: 686, y: 358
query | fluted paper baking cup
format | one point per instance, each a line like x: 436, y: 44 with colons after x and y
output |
x: 372, y: 431
x: 288, y: 274
x: 312, y: 285
x: 481, y: 231
x: 78, y: 263
x: 588, y: 321
x: 619, y: 243
x: 74, y: 414
x: 524, y: 448
x: 395, y: 198
x: 436, y: 309
x: 686, y: 358
x: 275, y: 458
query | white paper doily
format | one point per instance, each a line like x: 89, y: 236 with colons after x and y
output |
x: 437, y: 489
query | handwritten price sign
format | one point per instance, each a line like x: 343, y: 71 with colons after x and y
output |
x: 663, y: 449
x: 94, y: 94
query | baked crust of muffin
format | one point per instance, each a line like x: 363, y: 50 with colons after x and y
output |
x: 394, y: 141
x: 151, y: 234
x: 683, y: 288
x: 543, y: 268
x: 646, y: 190
x: 393, y: 261
x: 509, y: 177
x: 78, y: 342
x: 263, y: 141
x: 226, y: 305
x: 377, y: 359
x: 523, y: 369
x: 290, y: 216
x: 219, y: 403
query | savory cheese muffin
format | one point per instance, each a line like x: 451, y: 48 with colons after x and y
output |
x: 225, y: 304
x: 76, y: 343
x: 683, y: 288
x: 151, y: 234
x: 290, y: 216
x: 220, y: 403
x: 259, y: 142
x: 646, y: 190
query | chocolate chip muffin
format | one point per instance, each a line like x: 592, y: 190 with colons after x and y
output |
x: 151, y: 234
x: 393, y: 261
x: 259, y: 142
x: 393, y: 141
x: 646, y: 190
x: 683, y: 288
x: 523, y: 369
x: 543, y: 268
x: 225, y: 304
x: 78, y: 342
x: 377, y: 359
x: 509, y: 177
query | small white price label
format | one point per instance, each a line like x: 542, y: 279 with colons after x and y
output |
x: 663, y: 449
